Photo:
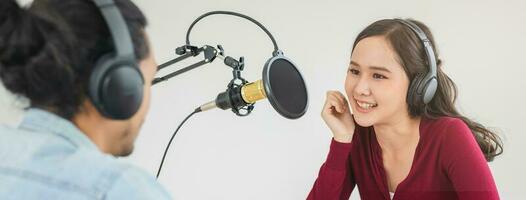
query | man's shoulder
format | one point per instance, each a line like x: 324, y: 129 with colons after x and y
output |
x: 46, y: 165
x: 107, y: 176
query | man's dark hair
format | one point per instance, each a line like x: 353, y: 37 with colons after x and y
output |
x: 48, y: 50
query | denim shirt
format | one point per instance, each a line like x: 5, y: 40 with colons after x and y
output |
x: 47, y: 157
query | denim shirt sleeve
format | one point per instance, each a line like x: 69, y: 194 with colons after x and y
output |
x: 135, y: 184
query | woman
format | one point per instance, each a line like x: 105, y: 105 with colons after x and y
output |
x: 401, y: 141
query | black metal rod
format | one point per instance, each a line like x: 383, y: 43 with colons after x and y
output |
x: 183, y: 70
x: 175, y: 60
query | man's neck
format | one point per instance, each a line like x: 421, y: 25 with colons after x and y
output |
x: 96, y: 128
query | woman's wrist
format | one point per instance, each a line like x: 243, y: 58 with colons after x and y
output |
x: 343, y: 138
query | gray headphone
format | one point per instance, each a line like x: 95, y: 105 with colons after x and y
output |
x: 116, y: 83
x: 423, y: 87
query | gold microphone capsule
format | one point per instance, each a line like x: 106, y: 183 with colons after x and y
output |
x: 253, y: 92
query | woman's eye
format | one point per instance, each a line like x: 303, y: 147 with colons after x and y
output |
x: 354, y: 71
x: 379, y: 76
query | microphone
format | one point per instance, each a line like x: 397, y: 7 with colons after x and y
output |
x: 237, y: 97
x: 282, y: 84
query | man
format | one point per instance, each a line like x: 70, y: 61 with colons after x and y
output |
x: 65, y: 147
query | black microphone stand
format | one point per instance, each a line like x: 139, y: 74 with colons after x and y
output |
x: 210, y: 54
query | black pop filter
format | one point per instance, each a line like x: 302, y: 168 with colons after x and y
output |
x: 285, y: 87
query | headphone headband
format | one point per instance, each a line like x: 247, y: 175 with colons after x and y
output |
x: 428, y: 47
x: 118, y: 29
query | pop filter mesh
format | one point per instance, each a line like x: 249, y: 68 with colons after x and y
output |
x: 288, y: 88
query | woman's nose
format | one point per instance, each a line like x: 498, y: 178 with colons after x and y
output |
x: 362, y: 87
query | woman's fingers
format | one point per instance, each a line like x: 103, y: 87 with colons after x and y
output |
x: 342, y: 101
x: 335, y: 100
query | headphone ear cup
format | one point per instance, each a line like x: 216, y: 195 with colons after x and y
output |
x: 116, y: 89
x: 429, y: 90
x: 95, y: 83
x: 413, y: 94
x: 122, y: 91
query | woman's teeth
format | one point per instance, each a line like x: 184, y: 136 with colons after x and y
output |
x: 366, y: 105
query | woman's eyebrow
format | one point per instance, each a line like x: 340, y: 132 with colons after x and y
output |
x: 379, y: 68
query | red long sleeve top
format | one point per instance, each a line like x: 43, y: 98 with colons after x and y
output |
x: 448, y: 164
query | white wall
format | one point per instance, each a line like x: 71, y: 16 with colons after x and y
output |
x: 218, y: 155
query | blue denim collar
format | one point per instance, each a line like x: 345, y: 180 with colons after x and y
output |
x: 46, y: 122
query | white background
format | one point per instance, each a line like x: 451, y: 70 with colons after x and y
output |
x: 218, y: 155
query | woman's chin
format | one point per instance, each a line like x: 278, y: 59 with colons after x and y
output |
x: 363, y: 121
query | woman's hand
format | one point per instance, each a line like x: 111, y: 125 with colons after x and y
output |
x: 337, y: 116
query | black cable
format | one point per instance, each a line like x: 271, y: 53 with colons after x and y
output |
x: 234, y: 14
x: 173, y: 136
